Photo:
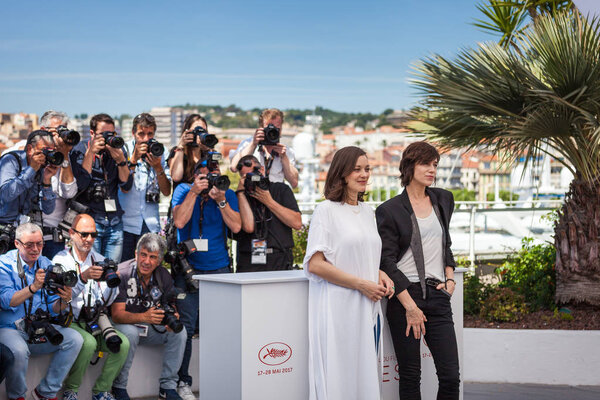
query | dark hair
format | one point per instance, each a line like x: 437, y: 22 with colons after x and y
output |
x: 36, y: 136
x: 189, y: 121
x: 416, y: 153
x: 188, y: 172
x: 144, y: 120
x: 244, y: 159
x: 342, y: 165
x: 100, y: 118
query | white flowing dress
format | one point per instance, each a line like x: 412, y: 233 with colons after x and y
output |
x: 343, y: 360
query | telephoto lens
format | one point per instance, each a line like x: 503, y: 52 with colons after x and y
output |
x: 272, y: 134
x: 68, y: 136
x: 112, y: 339
x: 109, y: 273
x: 53, y: 157
x: 58, y: 278
x: 155, y: 147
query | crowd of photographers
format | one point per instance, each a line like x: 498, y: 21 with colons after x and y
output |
x: 81, y: 259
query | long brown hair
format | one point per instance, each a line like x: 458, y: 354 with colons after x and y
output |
x: 188, y: 172
x: 342, y: 165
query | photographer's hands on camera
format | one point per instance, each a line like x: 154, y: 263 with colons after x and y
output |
x: 141, y: 150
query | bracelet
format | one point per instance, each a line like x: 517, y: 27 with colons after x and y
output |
x: 240, y: 191
x: 46, y: 186
x: 450, y: 279
x: 30, y: 291
x: 122, y: 163
x: 178, y: 148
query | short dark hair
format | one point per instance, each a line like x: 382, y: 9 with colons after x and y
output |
x: 190, y: 119
x: 243, y: 160
x: 342, y: 165
x: 100, y: 118
x: 416, y: 153
x: 143, y: 120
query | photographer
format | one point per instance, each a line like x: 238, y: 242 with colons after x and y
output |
x: 144, y: 302
x: 202, y: 212
x: 63, y: 182
x: 277, y: 158
x: 25, y: 185
x: 92, y: 294
x: 27, y: 309
x: 100, y: 167
x: 150, y: 178
x: 269, y: 213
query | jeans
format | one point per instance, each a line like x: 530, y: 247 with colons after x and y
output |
x: 109, y: 242
x: 174, y: 347
x: 188, y: 314
x: 64, y: 357
x: 110, y: 369
x: 52, y: 248
x: 130, y: 242
x: 440, y: 338
x: 6, y: 361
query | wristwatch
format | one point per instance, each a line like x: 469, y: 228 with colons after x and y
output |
x: 222, y: 204
x: 66, y: 163
x: 122, y: 163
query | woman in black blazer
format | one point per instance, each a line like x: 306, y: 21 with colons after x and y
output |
x: 416, y: 255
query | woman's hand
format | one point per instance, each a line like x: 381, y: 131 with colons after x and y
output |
x: 415, y: 319
x: 449, y: 286
x: 385, y: 280
x: 372, y: 290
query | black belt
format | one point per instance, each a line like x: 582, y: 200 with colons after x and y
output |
x: 432, y: 282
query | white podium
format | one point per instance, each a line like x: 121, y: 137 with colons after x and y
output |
x: 254, y: 344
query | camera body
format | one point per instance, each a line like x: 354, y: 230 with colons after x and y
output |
x: 97, y: 192
x: 255, y: 180
x: 155, y: 148
x: 109, y: 272
x: 39, y: 328
x: 113, y: 140
x: 222, y: 182
x: 53, y: 157
x: 152, y: 197
x: 69, y: 136
x: 57, y: 278
x: 62, y: 230
x: 201, y: 135
x: 7, y: 237
x: 179, y: 263
x: 170, y: 319
x: 272, y: 135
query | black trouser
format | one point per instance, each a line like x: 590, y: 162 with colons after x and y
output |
x: 440, y: 337
x: 6, y: 361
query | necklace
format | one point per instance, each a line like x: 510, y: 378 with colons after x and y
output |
x: 354, y: 208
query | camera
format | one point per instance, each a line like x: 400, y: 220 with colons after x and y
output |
x: 7, y: 237
x: 170, y: 320
x: 272, y: 134
x: 62, y: 230
x: 39, y: 329
x: 97, y: 323
x: 222, y: 182
x: 58, y: 278
x: 155, y: 148
x: 112, y: 140
x: 97, y: 192
x: 179, y: 263
x: 68, y: 136
x: 53, y: 157
x: 152, y: 197
x: 255, y: 179
x: 207, y: 139
x: 109, y: 272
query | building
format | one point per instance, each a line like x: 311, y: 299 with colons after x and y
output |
x: 169, y: 122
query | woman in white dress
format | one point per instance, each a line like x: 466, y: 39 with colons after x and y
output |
x: 345, y: 286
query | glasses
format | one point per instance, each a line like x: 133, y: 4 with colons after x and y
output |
x: 31, y: 245
x: 245, y: 163
x: 86, y: 234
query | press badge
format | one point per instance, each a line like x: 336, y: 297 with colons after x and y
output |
x: 142, y: 329
x: 201, y: 244
x: 110, y: 205
x: 155, y: 293
x: 23, y: 219
x: 259, y: 251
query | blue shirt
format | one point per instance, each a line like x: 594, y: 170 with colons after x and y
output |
x: 105, y: 169
x: 213, y: 229
x: 18, y: 190
x: 137, y: 210
x: 10, y: 282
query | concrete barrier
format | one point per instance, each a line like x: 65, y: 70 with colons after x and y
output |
x: 143, y: 376
x: 552, y: 357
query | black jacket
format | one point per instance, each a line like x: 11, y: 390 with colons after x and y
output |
x: 395, y: 228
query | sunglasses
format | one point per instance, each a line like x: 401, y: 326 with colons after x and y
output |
x: 86, y: 234
x: 245, y: 163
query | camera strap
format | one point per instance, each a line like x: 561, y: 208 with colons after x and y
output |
x: 25, y: 284
x: 269, y: 161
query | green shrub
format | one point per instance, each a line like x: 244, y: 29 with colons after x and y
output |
x: 530, y: 273
x: 299, y: 250
x: 504, y: 305
x: 475, y: 293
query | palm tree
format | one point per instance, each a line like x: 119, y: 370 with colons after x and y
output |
x: 542, y: 98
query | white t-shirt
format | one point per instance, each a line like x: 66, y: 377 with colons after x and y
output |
x: 276, y: 171
x: 432, y: 237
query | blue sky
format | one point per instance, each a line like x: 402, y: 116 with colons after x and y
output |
x: 128, y: 56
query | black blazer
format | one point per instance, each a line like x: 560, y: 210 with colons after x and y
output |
x: 395, y: 228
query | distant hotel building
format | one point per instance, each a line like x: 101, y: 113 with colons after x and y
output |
x: 169, y: 121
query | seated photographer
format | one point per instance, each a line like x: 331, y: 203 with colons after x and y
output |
x: 190, y: 149
x: 25, y: 185
x: 202, y: 213
x: 33, y: 293
x: 145, y: 301
x: 150, y: 178
x: 277, y: 158
x: 63, y: 182
x: 269, y: 213
x: 100, y: 167
x: 96, y: 289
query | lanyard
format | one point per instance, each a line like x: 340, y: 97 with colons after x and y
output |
x: 78, y: 265
x: 140, y: 283
x: 24, y: 283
